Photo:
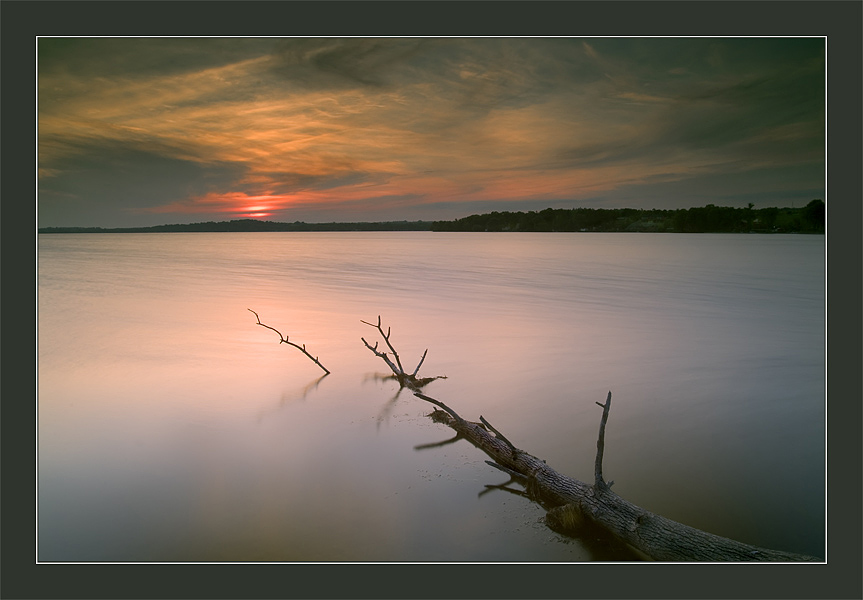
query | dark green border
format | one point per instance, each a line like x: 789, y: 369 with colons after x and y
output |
x: 22, y: 21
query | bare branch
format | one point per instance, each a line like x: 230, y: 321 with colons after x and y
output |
x: 514, y: 475
x: 440, y: 404
x: 599, y: 482
x: 284, y: 340
x: 414, y: 374
x: 498, y: 434
x: 384, y: 356
x: 281, y: 337
x: 409, y: 380
x: 386, y: 337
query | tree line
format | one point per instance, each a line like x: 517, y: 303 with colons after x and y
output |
x: 249, y: 225
x: 707, y: 219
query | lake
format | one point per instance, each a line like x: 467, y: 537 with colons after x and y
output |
x: 171, y: 427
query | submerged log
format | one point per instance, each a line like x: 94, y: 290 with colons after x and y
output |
x: 573, y: 501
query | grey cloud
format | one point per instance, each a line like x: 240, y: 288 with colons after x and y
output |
x: 773, y: 113
x: 286, y: 183
x: 339, y: 61
x: 797, y: 185
x: 111, y: 180
x: 143, y: 57
x: 467, y: 74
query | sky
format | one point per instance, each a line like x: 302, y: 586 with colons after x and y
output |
x: 150, y: 131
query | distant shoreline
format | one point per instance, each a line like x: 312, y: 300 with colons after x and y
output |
x: 707, y: 219
x: 250, y: 225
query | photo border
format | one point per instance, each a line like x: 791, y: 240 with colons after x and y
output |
x: 21, y: 577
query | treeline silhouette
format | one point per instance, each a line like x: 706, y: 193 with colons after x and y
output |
x: 240, y: 225
x: 707, y: 219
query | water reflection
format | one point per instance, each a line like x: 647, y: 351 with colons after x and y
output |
x: 293, y: 397
x: 599, y: 543
x: 447, y: 442
x: 390, y: 404
x: 388, y: 407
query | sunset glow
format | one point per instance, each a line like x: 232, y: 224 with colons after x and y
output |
x: 148, y: 131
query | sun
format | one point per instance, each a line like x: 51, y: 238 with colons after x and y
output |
x: 256, y: 211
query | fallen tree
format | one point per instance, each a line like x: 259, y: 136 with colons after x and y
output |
x: 572, y: 502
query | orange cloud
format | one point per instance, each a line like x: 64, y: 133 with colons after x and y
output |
x: 397, y: 142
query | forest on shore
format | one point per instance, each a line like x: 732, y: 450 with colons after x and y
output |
x: 706, y: 219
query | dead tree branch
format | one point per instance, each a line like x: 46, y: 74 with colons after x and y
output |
x: 405, y: 379
x: 386, y: 336
x: 283, y: 339
x: 514, y: 476
x: 383, y: 355
x: 498, y: 434
x: 414, y: 374
x: 439, y: 403
x: 599, y: 482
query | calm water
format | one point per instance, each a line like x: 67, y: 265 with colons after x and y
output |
x: 173, y: 428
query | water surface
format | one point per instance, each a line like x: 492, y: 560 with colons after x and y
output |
x: 173, y: 428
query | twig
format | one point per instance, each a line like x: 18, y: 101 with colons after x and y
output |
x: 439, y: 403
x: 514, y: 475
x: 284, y: 340
x: 405, y: 379
x: 384, y: 356
x: 414, y: 374
x: 386, y: 337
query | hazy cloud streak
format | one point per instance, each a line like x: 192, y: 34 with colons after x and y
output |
x: 306, y: 127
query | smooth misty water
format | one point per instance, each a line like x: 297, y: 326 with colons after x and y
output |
x: 173, y: 428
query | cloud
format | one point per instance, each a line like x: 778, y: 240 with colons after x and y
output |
x: 166, y: 128
x: 340, y: 62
